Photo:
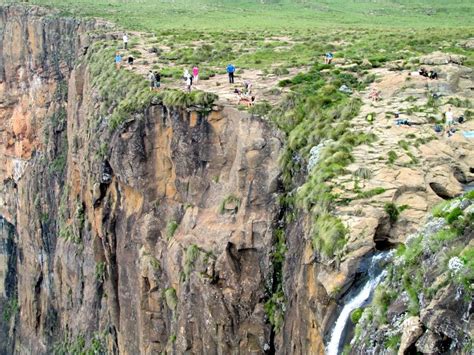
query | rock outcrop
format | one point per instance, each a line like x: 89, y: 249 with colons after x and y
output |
x: 429, y: 311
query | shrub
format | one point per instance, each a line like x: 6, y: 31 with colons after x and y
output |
x: 171, y: 227
x: 363, y: 173
x: 329, y: 235
x: 171, y: 298
x: 230, y: 203
x: 274, y: 308
x: 453, y: 215
x: 356, y: 314
x: 260, y: 109
x: 192, y: 253
x: 10, y: 309
x: 371, y: 193
x: 381, y: 301
x: 100, y: 269
x: 392, y: 156
x: 392, y: 210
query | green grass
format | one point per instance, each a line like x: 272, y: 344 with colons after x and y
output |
x: 208, y: 15
x: 229, y: 204
x: 171, y: 298
x: 171, y: 228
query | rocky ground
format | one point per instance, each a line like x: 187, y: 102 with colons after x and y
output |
x: 426, y: 166
x: 148, y: 51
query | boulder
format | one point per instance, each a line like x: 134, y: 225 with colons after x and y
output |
x: 468, y: 44
x: 442, y: 322
x: 439, y: 58
x: 411, y: 331
x: 432, y: 343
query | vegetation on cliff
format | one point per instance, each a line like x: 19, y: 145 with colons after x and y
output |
x: 431, y: 280
x: 123, y: 93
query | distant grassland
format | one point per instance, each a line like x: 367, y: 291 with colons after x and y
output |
x: 155, y: 15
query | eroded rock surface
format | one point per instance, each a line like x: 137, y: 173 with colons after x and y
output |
x: 153, y: 237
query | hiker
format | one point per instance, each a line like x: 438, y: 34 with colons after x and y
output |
x: 125, y: 41
x: 130, y: 60
x: 151, y: 79
x: 248, y: 87
x: 328, y: 58
x: 374, y: 95
x: 157, y: 79
x: 189, y: 82
x: 231, y: 71
x: 186, y: 75
x: 401, y: 121
x: 423, y: 72
x: 195, y: 73
x: 247, y: 101
x: 433, y: 75
x: 118, y: 60
x: 449, y: 120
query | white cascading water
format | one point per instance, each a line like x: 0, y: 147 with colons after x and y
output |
x: 375, y: 276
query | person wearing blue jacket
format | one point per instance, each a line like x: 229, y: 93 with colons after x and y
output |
x: 231, y: 71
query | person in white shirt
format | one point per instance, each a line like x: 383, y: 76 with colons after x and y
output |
x: 449, y: 121
x: 125, y: 41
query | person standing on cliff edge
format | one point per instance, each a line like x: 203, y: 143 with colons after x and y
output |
x: 118, y: 60
x: 231, y: 71
x: 125, y: 41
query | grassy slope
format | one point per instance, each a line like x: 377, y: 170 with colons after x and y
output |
x: 153, y: 15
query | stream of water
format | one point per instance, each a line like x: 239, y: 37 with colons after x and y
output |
x: 375, y: 274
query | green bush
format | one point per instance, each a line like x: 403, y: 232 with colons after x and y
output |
x: 329, y: 235
x: 453, y: 215
x: 192, y: 253
x: 10, y: 309
x: 171, y: 228
x: 100, y: 271
x: 392, y: 210
x: 228, y: 202
x: 260, y: 109
x: 274, y: 309
x: 171, y: 298
x: 356, y: 314
x: 392, y: 156
x: 371, y: 193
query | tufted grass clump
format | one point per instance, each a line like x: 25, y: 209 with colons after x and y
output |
x: 171, y: 228
x: 171, y: 298
x: 329, y: 235
x: 229, y: 204
x: 392, y: 210
x: 192, y: 254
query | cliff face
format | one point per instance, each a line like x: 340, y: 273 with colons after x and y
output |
x: 131, y: 225
x: 151, y: 237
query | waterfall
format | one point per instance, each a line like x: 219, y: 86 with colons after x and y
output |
x: 361, y: 297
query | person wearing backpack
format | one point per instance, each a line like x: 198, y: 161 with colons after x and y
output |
x: 157, y: 79
x: 231, y: 71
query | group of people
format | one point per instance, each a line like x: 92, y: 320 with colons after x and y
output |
x: 118, y: 56
x: 245, y: 96
x: 190, y: 79
x: 155, y: 80
x: 428, y: 74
